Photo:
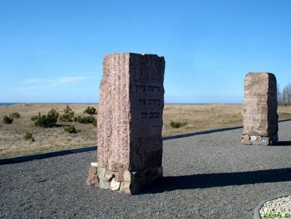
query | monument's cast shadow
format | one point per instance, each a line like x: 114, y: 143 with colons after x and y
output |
x: 171, y: 183
x: 200, y: 133
x: 283, y: 143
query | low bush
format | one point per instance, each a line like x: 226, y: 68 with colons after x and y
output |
x: 7, y: 120
x: 70, y: 129
x: 48, y: 120
x: 90, y: 110
x: 177, y: 124
x: 95, y: 122
x: 68, y: 115
x: 15, y: 115
x: 33, y: 118
x: 29, y: 136
x: 86, y: 119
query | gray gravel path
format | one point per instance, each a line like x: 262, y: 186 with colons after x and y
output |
x: 205, y: 176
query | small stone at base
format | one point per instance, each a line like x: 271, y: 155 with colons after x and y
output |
x: 114, y: 185
x: 101, y: 172
x: 264, y: 143
x: 103, y: 184
x: 125, y: 187
x: 94, y: 164
x: 127, y: 176
x: 92, y: 180
x: 92, y: 170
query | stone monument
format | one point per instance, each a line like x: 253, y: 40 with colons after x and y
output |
x: 130, y: 111
x: 260, y: 118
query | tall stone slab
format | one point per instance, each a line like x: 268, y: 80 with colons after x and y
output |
x: 130, y: 111
x: 260, y: 118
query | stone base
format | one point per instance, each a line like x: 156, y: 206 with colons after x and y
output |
x: 259, y: 140
x: 127, y: 182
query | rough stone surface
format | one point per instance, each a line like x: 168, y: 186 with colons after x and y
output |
x: 130, y: 118
x: 260, y: 117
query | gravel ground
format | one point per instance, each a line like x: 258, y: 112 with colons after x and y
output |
x: 207, y: 175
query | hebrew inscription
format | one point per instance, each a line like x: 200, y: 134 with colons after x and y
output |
x: 149, y: 103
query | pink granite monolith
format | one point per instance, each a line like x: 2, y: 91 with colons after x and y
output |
x: 130, y: 111
x: 260, y: 119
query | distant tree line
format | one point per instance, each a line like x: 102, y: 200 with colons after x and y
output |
x: 284, y: 97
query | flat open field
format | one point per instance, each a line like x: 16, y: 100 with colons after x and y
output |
x: 197, y: 118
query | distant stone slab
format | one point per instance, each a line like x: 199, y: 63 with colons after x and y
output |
x: 130, y: 122
x: 260, y: 119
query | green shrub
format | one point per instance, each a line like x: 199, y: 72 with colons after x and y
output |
x: 33, y: 118
x: 7, y: 120
x: 15, y: 115
x: 70, y: 129
x: 177, y: 124
x: 48, y: 120
x: 68, y: 115
x: 85, y: 119
x: 29, y: 136
x: 90, y: 110
x: 95, y: 122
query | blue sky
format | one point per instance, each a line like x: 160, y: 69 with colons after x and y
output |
x: 52, y: 51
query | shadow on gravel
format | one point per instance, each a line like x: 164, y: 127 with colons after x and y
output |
x: 45, y: 155
x: 284, y: 143
x: 171, y: 183
x: 201, y: 133
x: 210, y: 131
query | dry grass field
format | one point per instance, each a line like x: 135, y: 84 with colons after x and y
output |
x: 196, y: 117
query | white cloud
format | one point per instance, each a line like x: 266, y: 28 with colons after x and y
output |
x: 66, y: 80
x: 36, y: 84
x: 30, y: 81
